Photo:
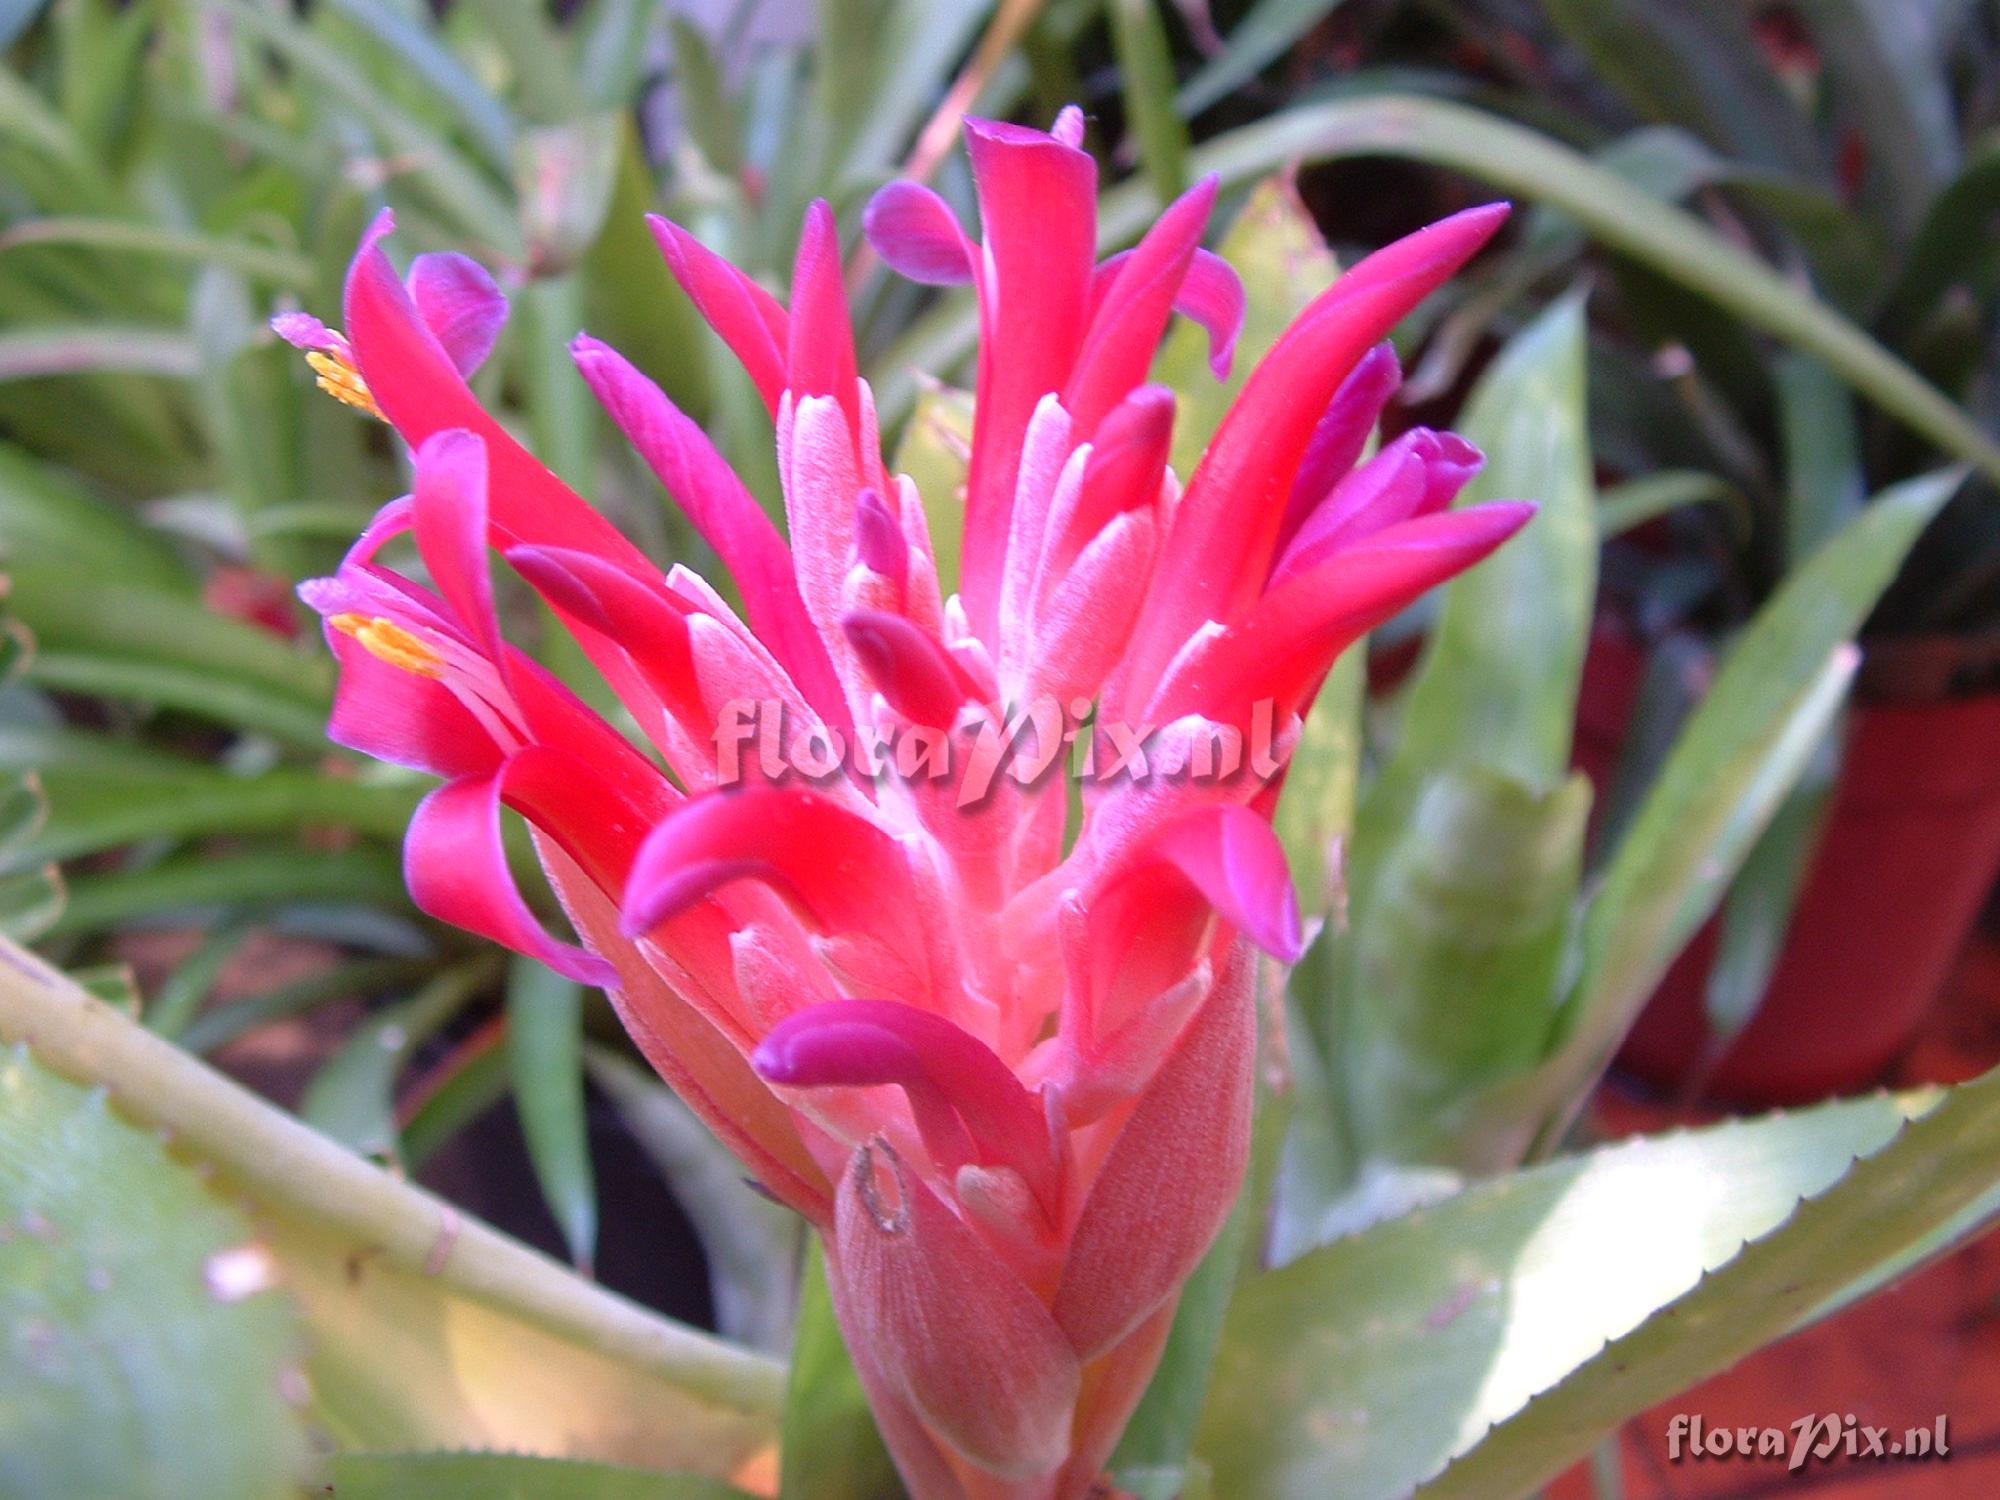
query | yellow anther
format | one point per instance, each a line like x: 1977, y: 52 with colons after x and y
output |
x: 340, y: 380
x: 387, y: 641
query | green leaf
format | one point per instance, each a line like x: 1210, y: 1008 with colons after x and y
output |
x: 257, y: 879
x: 265, y: 262
x: 1315, y: 818
x: 1738, y: 756
x: 1625, y: 218
x: 127, y: 640
x: 509, y: 1476
x: 1757, y: 912
x: 1362, y: 1368
x: 419, y: 49
x: 832, y: 1450
x: 1456, y: 962
x: 1885, y: 61
x: 934, y: 452
x: 1499, y: 679
x: 710, y: 113
x: 1823, y: 481
x: 1937, y: 1170
x: 1692, y: 63
x: 425, y: 1328
x: 1146, y: 71
x: 1951, y: 243
x: 146, y: 1352
x: 78, y: 348
x: 545, y: 1044
x: 1621, y: 507
x: 751, y: 1244
x: 1266, y: 30
x: 92, y: 811
x: 1276, y: 248
x: 352, y: 1098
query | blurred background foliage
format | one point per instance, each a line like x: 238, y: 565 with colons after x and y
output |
x: 1752, y: 285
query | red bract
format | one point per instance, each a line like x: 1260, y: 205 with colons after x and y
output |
x: 1002, y: 1063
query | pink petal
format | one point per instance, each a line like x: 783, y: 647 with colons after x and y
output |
x: 1293, y: 634
x: 456, y: 867
x: 1171, y: 1176
x: 911, y: 669
x: 1219, y: 550
x: 1342, y: 433
x: 1038, y: 215
x: 724, y: 512
x: 303, y: 331
x: 1233, y: 858
x: 917, y: 235
x: 845, y: 871
x: 968, y: 1104
x: 1126, y: 326
x: 391, y: 715
x: 460, y: 305
x: 449, y: 512
x: 747, y: 317
x: 819, y: 355
x: 1128, y: 459
x: 879, y: 544
x: 953, y: 1331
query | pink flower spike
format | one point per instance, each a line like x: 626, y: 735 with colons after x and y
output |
x: 747, y: 317
x: 460, y: 305
x: 449, y: 512
x: 854, y: 783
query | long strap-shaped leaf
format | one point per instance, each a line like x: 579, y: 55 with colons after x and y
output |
x: 1527, y: 164
x: 428, y: 1327
x: 1481, y: 1346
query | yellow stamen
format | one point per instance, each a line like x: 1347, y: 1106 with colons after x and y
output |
x: 340, y: 380
x: 387, y: 641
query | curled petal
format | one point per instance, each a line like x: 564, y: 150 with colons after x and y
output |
x: 968, y: 1104
x: 952, y: 1330
x: 1233, y: 858
x: 1171, y: 1175
x: 917, y: 235
x: 460, y: 305
x: 456, y: 867
x: 747, y: 317
x: 847, y: 873
x: 448, y: 511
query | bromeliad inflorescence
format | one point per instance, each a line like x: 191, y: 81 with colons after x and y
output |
x: 1001, y: 1061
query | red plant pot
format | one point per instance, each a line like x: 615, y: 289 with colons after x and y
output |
x: 1908, y: 851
